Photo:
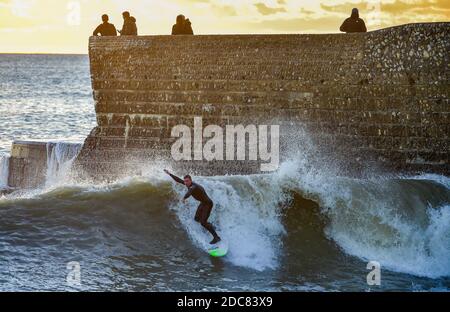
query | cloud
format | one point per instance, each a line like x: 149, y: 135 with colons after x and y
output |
x: 397, y: 12
x: 44, y: 27
x: 392, y: 8
x: 265, y: 10
x: 298, y: 25
x: 344, y: 7
x: 400, y: 6
x: 306, y: 12
x: 226, y: 10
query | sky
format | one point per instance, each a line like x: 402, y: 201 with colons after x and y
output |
x: 63, y: 26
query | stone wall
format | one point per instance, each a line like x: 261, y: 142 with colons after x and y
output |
x: 28, y: 165
x: 379, y: 99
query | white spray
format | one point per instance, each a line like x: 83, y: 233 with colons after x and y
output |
x: 60, y: 157
x: 4, y: 170
x: 366, y: 218
x: 246, y: 213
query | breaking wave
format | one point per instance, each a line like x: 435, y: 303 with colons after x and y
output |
x: 402, y: 222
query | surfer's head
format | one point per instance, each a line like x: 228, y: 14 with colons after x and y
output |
x: 187, y: 180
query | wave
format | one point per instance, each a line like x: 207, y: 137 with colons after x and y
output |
x: 274, y: 220
x: 60, y: 156
x: 401, y: 223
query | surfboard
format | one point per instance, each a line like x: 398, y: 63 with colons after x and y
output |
x: 219, y: 250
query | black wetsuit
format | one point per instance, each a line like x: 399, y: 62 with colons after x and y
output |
x: 205, y: 206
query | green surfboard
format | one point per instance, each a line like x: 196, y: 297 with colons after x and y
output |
x: 217, y: 252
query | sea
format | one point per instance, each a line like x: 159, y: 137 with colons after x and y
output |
x: 301, y: 228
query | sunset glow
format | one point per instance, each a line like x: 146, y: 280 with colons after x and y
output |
x: 63, y: 26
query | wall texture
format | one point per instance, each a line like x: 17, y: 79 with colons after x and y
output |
x: 30, y: 161
x: 27, y: 164
x: 379, y: 99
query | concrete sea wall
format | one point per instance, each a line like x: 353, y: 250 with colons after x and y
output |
x: 33, y: 164
x: 378, y: 99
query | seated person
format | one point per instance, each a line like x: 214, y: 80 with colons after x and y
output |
x: 105, y: 29
x: 182, y: 26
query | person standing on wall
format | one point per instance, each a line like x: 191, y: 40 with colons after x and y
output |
x: 353, y: 24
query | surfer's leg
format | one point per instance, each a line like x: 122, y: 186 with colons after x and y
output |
x: 202, y: 215
x: 197, y: 217
x: 206, y: 213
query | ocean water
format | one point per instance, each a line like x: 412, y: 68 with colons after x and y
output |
x: 45, y: 98
x: 302, y: 228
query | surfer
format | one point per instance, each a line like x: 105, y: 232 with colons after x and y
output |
x: 204, y: 208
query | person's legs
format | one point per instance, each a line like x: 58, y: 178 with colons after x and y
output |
x: 202, y: 215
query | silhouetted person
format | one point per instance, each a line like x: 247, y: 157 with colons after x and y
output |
x: 129, y: 25
x: 182, y: 27
x: 353, y: 24
x: 134, y: 31
x: 105, y: 29
x: 188, y: 27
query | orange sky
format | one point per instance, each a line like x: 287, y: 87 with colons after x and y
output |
x: 62, y: 26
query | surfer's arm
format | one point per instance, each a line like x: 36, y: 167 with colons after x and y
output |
x: 176, y: 179
x: 188, y: 193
